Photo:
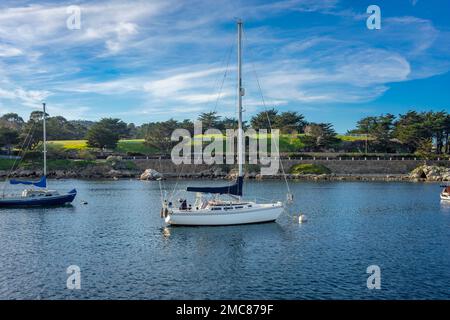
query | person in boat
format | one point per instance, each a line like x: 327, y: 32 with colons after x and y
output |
x: 183, y: 204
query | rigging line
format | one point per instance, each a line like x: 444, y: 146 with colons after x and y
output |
x: 217, y: 80
x: 224, y: 77
x: 22, y: 154
x: 176, y: 182
x: 161, y: 184
x: 267, y: 115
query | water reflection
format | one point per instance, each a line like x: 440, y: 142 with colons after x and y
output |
x: 166, y: 232
x: 248, y: 231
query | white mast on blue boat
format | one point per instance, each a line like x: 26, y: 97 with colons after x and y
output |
x: 45, y: 141
x: 41, y: 196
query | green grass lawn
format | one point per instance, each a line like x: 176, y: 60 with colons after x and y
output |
x: 353, y: 138
x: 58, y: 164
x: 6, y: 164
x: 135, y: 146
x: 71, y: 144
x: 124, y: 146
x: 288, y: 143
x: 65, y: 164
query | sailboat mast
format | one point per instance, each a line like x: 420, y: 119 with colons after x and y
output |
x: 45, y: 142
x: 240, y: 95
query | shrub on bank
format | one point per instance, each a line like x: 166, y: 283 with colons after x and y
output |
x: 309, y: 168
x: 86, y: 154
x: 6, y: 164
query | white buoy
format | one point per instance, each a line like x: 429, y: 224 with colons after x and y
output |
x: 302, y: 218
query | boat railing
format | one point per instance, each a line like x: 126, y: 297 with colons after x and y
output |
x: 10, y: 195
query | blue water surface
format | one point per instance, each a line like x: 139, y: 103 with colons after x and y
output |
x: 124, y: 250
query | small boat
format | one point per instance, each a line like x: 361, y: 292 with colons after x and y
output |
x: 209, y: 209
x: 37, y: 195
x: 445, y: 193
x: 38, y: 198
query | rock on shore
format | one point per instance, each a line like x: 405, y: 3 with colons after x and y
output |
x: 430, y: 173
x: 150, y: 174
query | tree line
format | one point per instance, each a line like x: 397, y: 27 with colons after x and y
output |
x: 412, y: 132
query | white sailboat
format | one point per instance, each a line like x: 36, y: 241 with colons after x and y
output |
x: 211, y: 210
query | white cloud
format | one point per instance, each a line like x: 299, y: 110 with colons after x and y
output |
x: 30, y: 98
x: 8, y: 51
x: 106, y: 22
x: 193, y: 85
x: 70, y: 111
x: 347, y: 76
x: 180, y: 82
x: 200, y: 98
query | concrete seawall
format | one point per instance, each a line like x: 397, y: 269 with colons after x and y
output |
x: 344, y: 167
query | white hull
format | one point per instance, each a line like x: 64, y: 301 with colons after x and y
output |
x: 445, y: 197
x: 258, y: 214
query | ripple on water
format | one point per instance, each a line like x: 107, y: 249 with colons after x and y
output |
x: 125, y: 252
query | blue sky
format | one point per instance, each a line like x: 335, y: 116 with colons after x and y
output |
x: 152, y: 60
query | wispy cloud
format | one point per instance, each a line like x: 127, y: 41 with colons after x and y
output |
x: 168, y: 57
x: 29, y: 98
x: 8, y: 51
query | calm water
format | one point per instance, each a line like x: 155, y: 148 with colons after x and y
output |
x: 119, y: 242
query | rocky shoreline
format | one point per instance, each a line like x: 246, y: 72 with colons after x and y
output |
x: 422, y: 173
x: 114, y: 167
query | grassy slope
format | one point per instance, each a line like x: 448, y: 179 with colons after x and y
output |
x: 133, y: 145
x: 64, y: 164
x: 288, y: 143
x: 71, y: 144
x: 136, y: 145
x: 6, y: 164
x: 353, y: 138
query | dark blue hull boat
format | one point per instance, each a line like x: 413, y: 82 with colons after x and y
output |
x: 40, y: 197
x: 39, y: 201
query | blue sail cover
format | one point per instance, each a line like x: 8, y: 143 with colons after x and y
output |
x: 234, y: 189
x: 42, y: 183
